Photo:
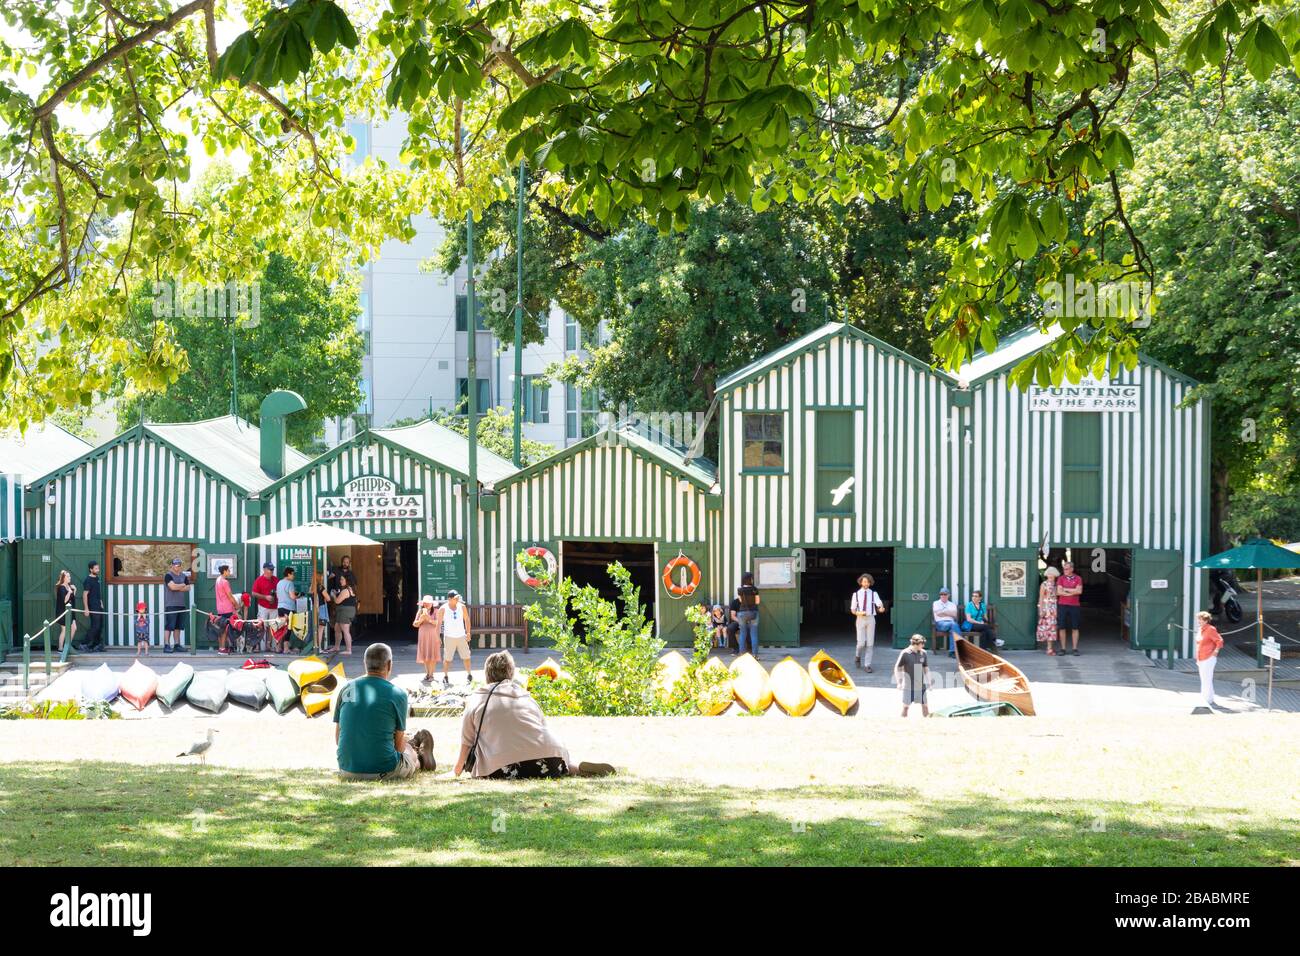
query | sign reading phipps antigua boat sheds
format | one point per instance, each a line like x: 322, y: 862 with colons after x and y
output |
x: 369, y: 497
x: 1090, y: 395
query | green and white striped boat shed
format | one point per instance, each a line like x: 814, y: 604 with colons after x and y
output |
x: 836, y: 441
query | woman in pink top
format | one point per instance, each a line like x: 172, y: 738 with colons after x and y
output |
x: 428, y: 648
x: 1208, y: 645
x: 225, y: 607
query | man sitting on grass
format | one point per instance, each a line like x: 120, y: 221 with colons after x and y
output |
x: 370, y: 725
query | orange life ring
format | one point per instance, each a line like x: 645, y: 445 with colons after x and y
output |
x: 545, y: 555
x: 680, y: 590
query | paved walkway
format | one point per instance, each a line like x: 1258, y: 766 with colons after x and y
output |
x: 1106, y: 679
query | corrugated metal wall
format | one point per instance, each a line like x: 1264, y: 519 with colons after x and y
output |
x: 605, y: 492
x: 900, y: 456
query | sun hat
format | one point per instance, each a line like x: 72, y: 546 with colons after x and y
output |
x: 427, y: 599
x: 1052, y: 572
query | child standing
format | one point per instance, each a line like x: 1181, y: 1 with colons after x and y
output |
x: 141, y: 629
x: 718, y: 622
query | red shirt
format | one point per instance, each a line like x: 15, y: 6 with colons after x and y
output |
x: 1068, y: 581
x: 1208, y: 643
x: 264, y: 591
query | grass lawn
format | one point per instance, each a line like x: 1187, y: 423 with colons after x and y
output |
x: 1194, y: 791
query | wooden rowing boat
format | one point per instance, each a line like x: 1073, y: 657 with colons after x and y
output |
x: 833, y: 682
x: 989, y: 677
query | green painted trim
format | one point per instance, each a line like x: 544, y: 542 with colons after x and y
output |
x: 253, y: 507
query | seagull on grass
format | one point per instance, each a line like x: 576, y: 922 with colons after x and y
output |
x: 200, y: 748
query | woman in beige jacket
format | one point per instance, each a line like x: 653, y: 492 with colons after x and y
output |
x: 507, y: 730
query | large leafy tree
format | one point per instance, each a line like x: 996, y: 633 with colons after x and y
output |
x: 303, y: 338
x: 1216, y: 195
x: 634, y: 107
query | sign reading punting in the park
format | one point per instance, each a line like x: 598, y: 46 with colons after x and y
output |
x: 369, y: 497
x: 1089, y: 395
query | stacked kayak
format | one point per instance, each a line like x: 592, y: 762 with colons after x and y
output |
x: 173, y: 684
x: 711, y: 698
x: 207, y: 691
x: 548, y: 669
x: 247, y: 688
x: 139, y: 684
x: 100, y: 684
x: 750, y: 683
x: 832, y: 682
x: 793, y: 688
x: 318, y: 695
x: 672, y: 667
x: 281, y: 689
x: 307, y: 670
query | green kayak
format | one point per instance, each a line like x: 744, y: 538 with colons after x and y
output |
x: 993, y: 708
x: 283, y: 691
x: 173, y: 684
x: 207, y: 691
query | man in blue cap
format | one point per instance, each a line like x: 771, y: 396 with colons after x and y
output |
x: 176, y: 606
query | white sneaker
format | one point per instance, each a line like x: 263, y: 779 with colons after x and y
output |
x: 999, y: 642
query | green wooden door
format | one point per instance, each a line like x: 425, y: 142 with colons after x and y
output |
x: 777, y: 576
x: 918, y: 575
x: 38, y: 574
x: 1157, y: 596
x: 1012, y: 590
x: 674, y: 628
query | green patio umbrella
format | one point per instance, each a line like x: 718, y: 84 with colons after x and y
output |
x: 1257, y: 554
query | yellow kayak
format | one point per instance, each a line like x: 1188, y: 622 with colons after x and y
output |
x: 750, y: 683
x: 832, y: 682
x: 715, y: 698
x: 547, y: 670
x: 307, y: 670
x: 319, y: 695
x: 672, y: 666
x: 793, y: 688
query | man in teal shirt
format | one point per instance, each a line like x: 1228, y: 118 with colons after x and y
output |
x: 370, y: 725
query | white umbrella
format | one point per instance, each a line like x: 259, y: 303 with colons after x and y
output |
x: 314, y: 534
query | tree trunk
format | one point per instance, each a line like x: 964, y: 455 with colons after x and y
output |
x: 1218, y: 505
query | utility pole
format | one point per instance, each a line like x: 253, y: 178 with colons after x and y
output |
x: 519, y: 324
x: 471, y: 367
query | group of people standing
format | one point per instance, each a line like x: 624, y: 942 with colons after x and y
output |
x: 443, y: 632
x: 736, y: 626
x: 1059, y: 609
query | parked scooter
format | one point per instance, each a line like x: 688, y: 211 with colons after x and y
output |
x: 1226, y: 587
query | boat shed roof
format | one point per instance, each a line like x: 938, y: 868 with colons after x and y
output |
x: 43, y: 448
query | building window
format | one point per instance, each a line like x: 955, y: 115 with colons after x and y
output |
x: 1081, y: 463
x: 484, y: 397
x: 581, y: 412
x: 763, y: 442
x: 572, y: 334
x: 145, y: 562
x: 537, y: 401
x: 835, y: 449
x: 462, y: 313
x: 363, y: 311
x: 363, y: 406
x: 360, y: 133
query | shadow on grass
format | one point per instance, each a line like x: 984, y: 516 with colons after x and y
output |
x: 105, y: 813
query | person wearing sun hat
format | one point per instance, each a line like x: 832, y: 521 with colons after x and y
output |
x: 428, y: 650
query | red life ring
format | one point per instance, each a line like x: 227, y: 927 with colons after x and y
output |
x: 681, y: 590
x: 545, y: 555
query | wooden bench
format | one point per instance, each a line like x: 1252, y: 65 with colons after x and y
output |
x: 504, y: 619
x: 939, y: 639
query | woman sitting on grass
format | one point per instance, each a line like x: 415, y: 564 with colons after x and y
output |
x: 505, y: 730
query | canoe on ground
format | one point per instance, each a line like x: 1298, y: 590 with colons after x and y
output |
x: 832, y: 682
x: 991, y: 678
x: 100, y: 684
x: 281, y: 689
x: 750, y: 683
x: 172, y: 685
x: 247, y: 688
x: 671, y: 668
x: 793, y: 688
x: 307, y: 670
x: 139, y: 684
x: 997, y: 708
x: 316, y: 696
x: 711, y: 698
x: 207, y: 691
